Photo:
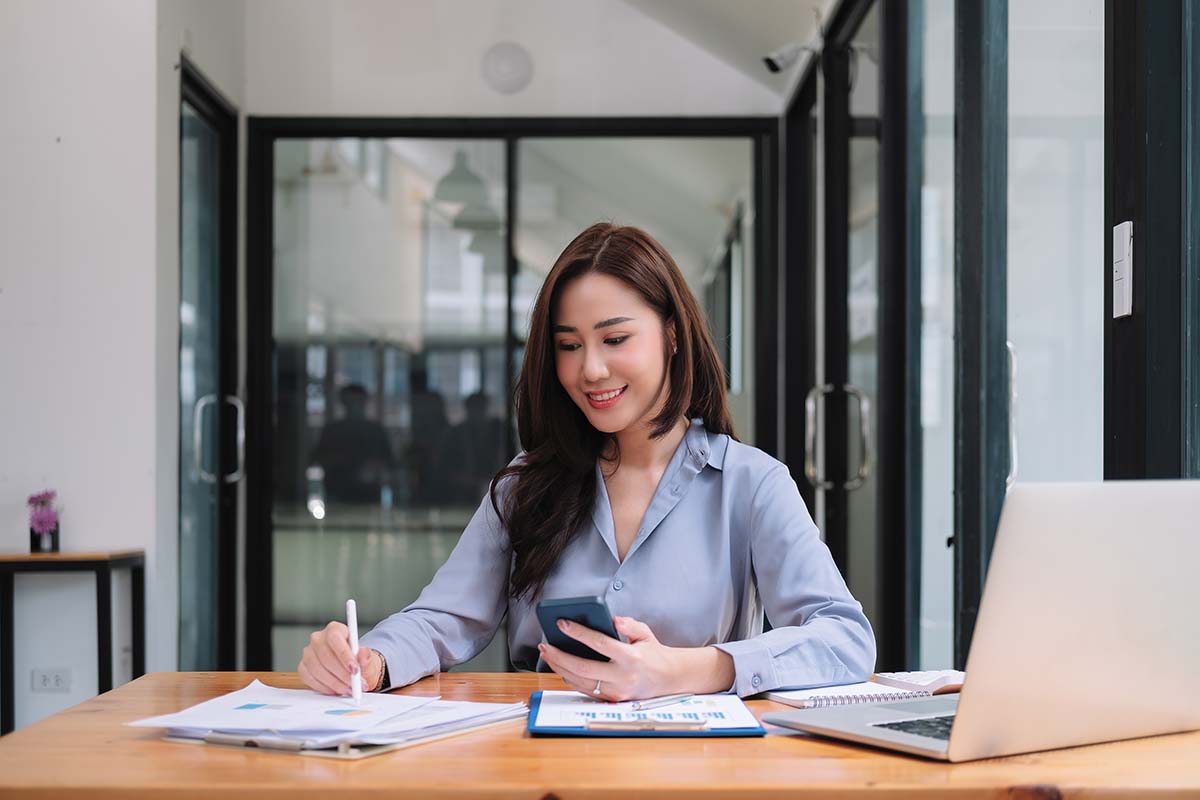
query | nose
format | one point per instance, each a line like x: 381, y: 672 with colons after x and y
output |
x: 594, y: 367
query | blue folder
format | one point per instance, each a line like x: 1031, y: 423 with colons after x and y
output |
x: 535, y: 700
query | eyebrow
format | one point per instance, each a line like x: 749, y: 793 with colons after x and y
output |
x: 604, y: 323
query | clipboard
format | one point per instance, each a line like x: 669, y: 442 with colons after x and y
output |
x: 344, y: 751
x: 645, y: 728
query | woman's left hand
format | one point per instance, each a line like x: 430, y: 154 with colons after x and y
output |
x: 643, y: 667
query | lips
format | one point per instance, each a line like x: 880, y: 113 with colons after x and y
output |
x: 610, y: 399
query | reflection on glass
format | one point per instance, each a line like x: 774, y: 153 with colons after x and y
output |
x: 937, y: 340
x: 1056, y: 236
x: 863, y: 567
x: 694, y: 195
x: 389, y: 365
x: 863, y: 370
x: 199, y: 363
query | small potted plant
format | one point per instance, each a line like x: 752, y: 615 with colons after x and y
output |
x: 43, y: 522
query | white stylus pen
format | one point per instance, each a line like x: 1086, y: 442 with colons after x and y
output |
x: 356, y: 675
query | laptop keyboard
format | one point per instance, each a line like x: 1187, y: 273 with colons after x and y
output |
x: 933, y: 727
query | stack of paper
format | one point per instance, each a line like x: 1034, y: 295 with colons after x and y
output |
x: 296, y: 719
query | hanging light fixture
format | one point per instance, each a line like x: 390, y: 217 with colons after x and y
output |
x: 460, y: 185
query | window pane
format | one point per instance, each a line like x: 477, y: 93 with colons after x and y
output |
x: 389, y: 368
x: 1056, y: 236
x: 937, y: 340
x: 694, y: 195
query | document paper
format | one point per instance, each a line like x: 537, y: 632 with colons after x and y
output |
x: 575, y: 710
x: 259, y: 707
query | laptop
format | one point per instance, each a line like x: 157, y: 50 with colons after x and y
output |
x: 1088, y: 631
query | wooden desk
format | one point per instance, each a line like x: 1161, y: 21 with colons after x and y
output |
x: 102, y: 564
x: 85, y: 752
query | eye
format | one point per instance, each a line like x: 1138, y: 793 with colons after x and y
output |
x: 568, y: 347
x: 615, y: 340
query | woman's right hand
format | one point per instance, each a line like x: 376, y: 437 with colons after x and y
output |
x: 327, y: 663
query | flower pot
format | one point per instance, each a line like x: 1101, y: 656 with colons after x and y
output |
x: 43, y: 542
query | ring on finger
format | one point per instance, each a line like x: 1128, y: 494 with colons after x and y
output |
x: 596, y: 691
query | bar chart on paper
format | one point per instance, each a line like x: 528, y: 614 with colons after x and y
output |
x: 574, y: 710
x: 259, y: 707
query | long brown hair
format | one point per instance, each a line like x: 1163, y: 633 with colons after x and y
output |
x: 554, y: 485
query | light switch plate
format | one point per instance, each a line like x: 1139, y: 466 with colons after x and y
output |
x: 1122, y: 255
x: 51, y: 680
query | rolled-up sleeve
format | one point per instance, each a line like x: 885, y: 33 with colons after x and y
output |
x: 457, y: 614
x: 820, y: 636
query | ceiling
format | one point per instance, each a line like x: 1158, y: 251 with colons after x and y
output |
x: 741, y: 32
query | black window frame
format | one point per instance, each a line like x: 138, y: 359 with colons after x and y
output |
x: 262, y: 134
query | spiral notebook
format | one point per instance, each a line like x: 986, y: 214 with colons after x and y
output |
x: 915, y: 685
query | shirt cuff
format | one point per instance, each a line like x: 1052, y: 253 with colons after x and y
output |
x: 753, y: 666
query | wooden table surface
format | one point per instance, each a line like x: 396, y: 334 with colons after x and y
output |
x: 86, y: 752
x: 106, y: 555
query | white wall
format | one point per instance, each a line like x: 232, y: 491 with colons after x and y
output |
x: 422, y: 58
x: 77, y: 309
x: 89, y: 305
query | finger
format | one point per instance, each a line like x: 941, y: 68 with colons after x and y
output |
x: 602, y: 644
x: 634, y: 630
x: 336, y: 683
x: 340, y: 666
x: 573, y: 681
x: 325, y: 665
x: 550, y: 656
x: 337, y: 636
x: 312, y: 681
x: 585, y: 668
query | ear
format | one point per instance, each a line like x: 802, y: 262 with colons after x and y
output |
x: 672, y: 338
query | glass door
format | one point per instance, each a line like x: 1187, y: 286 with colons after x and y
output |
x: 843, y: 401
x: 390, y: 385
x: 861, y: 445
x: 209, y: 410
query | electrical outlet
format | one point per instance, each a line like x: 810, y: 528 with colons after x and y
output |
x: 52, y: 680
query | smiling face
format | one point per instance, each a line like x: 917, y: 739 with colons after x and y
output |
x: 609, y: 346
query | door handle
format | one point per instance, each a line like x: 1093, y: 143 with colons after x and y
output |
x: 240, y: 472
x: 198, y: 438
x: 866, y: 452
x: 810, y: 436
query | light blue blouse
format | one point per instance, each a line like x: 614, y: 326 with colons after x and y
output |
x: 726, y: 536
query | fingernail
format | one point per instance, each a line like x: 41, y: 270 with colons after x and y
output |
x: 562, y: 624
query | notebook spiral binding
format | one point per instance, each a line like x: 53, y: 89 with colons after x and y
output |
x: 852, y: 699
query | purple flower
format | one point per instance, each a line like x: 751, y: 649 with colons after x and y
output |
x: 43, y: 520
x: 43, y: 498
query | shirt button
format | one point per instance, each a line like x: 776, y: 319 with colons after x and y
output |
x: 675, y: 489
x: 755, y: 681
x: 618, y: 585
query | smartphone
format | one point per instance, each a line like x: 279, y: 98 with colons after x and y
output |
x: 591, y: 612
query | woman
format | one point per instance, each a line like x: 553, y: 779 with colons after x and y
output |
x: 631, y: 486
